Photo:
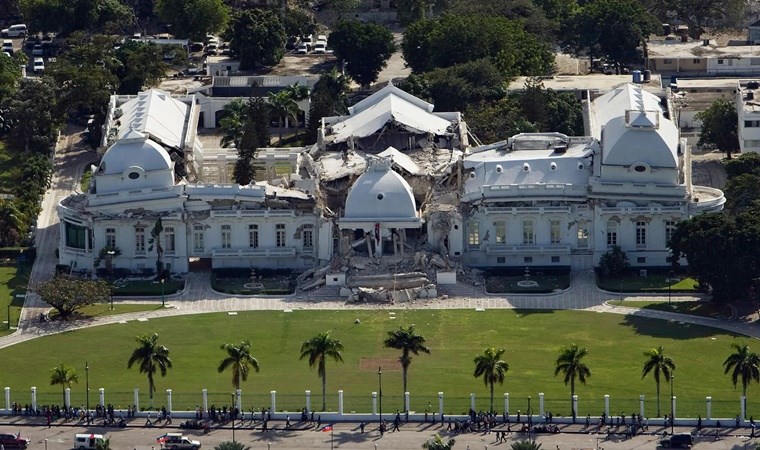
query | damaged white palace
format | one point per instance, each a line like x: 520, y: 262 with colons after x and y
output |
x: 392, y: 185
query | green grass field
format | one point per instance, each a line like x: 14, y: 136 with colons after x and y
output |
x: 532, y: 338
x: 104, y: 309
x: 653, y: 282
x: 13, y: 281
x: 704, y: 309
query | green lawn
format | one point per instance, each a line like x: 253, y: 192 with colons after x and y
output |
x: 13, y: 281
x: 546, y: 283
x: 705, y: 309
x: 104, y: 309
x: 10, y: 169
x: 84, y: 183
x: 148, y: 287
x: 616, y: 345
x: 653, y: 282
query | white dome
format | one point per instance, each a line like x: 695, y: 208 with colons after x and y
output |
x: 134, y: 150
x: 625, y: 145
x: 380, y: 194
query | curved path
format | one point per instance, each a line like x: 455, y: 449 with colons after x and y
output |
x: 198, y: 297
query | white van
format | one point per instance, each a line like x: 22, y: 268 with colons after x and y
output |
x: 18, y: 30
x: 87, y: 441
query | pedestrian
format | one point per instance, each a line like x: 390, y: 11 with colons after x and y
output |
x: 319, y: 421
x: 287, y: 422
x: 361, y: 426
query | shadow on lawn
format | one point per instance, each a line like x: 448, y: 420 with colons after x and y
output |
x: 524, y: 312
x: 668, y: 329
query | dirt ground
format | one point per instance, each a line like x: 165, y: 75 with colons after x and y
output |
x: 385, y: 363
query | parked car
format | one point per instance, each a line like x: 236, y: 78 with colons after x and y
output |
x: 303, y: 48
x: 86, y: 441
x: 18, y: 30
x: 211, y: 48
x: 322, y: 38
x: 37, y: 50
x: 8, y: 46
x: 10, y: 440
x: 678, y: 440
x: 178, y: 441
x: 320, y: 47
x: 308, y: 40
x: 38, y: 65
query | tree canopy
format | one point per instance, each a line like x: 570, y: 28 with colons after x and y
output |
x: 719, y: 127
x: 257, y: 37
x: 365, y: 48
x: 193, y: 19
x: 66, y: 16
x: 67, y: 294
x: 450, y: 40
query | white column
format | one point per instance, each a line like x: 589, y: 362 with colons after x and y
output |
x: 308, y: 400
x: 472, y: 401
x: 205, y: 400
x: 440, y: 403
x: 67, y: 397
x: 607, y: 405
x: 340, y: 402
x: 137, y: 399
x: 541, y: 404
x: 7, y: 398
x: 239, y: 400
x: 102, y: 397
x: 674, y: 408
x: 708, y: 400
x: 273, y: 396
x: 641, y: 406
x: 575, y: 407
x: 406, y: 401
x: 742, y: 399
x: 374, y: 403
x: 506, y: 403
x: 34, y: 398
x: 169, y: 400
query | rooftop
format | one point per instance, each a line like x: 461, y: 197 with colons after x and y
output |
x: 594, y: 82
x: 697, y: 49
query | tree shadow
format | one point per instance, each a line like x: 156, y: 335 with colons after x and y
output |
x: 662, y: 328
x: 524, y: 312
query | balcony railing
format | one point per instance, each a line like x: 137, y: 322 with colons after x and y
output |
x: 249, y: 252
x: 527, y: 249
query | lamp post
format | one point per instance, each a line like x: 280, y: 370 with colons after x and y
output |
x: 87, y: 390
x: 9, y: 313
x: 380, y: 392
x: 671, y: 275
x: 45, y: 443
x: 232, y: 411
x: 530, y: 418
x: 672, y: 403
x: 163, y: 303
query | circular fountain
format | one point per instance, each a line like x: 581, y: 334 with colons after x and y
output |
x: 253, y: 285
x: 527, y: 282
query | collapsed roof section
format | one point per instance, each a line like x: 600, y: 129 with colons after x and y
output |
x: 392, y: 108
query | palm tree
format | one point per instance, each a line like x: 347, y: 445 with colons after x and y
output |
x: 437, y: 443
x: 283, y: 105
x: 525, y: 445
x: 230, y: 445
x: 239, y: 358
x: 491, y: 367
x: 657, y: 363
x: 65, y: 376
x: 745, y: 364
x: 318, y: 349
x: 233, y: 122
x: 569, y: 362
x: 408, y: 341
x: 103, y: 444
x: 151, y: 358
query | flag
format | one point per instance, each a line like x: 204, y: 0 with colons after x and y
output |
x: 327, y: 428
x: 161, y: 439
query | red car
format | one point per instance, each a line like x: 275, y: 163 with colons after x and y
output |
x: 10, y: 440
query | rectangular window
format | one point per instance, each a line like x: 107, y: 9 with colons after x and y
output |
x: 720, y: 62
x: 226, y: 236
x: 473, y: 233
x: 667, y: 61
x: 555, y: 259
x: 75, y: 236
x: 529, y: 235
x: 696, y: 61
x: 169, y: 240
x: 308, y: 237
x: 139, y: 240
x: 670, y: 228
x: 612, y: 232
x: 528, y: 259
x: 641, y: 260
x: 641, y: 234
x: 754, y: 61
x: 279, y: 235
x: 501, y: 260
x: 198, y: 238
x: 582, y: 238
x: 752, y: 124
x: 751, y: 143
x: 111, y: 237
x: 555, y: 231
x: 253, y: 236
x: 500, y: 230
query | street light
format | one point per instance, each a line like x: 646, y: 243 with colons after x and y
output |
x: 9, y: 313
x: 380, y: 392
x: 530, y: 417
x: 87, y: 388
x: 672, y: 403
x: 232, y: 412
x: 163, y: 303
